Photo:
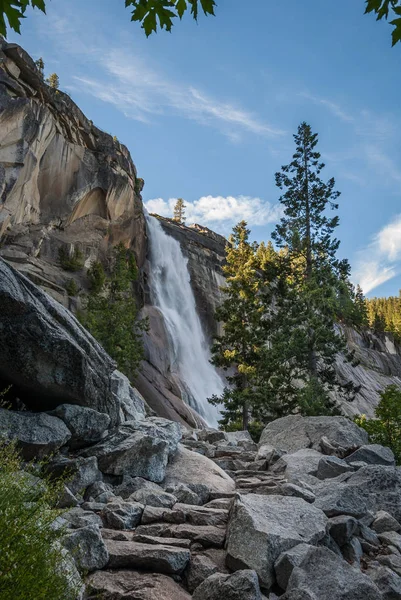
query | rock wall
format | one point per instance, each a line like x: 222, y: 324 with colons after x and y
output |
x: 64, y: 183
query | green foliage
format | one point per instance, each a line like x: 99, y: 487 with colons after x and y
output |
x: 280, y: 308
x: 385, y: 429
x: 13, y: 11
x: 139, y: 184
x: 71, y: 261
x: 382, y: 9
x: 154, y: 13
x: 71, y: 287
x: 53, y: 81
x: 179, y: 211
x: 96, y: 277
x: 111, y: 313
x: 41, y: 66
x: 31, y: 559
x: 384, y: 314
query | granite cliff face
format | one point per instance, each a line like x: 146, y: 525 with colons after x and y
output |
x: 64, y: 183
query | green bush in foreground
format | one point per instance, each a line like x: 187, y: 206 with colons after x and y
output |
x: 32, y: 562
x: 385, y: 429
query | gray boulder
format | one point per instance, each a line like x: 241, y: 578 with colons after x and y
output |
x: 98, y: 492
x: 150, y: 557
x: 322, y: 574
x: 295, y: 466
x: 331, y: 466
x: 372, y: 454
x: 37, y: 434
x: 262, y: 527
x: 235, y: 437
x: 133, y: 585
x: 388, y: 582
x: 122, y: 515
x: 200, y: 568
x: 86, y: 425
x: 87, y: 548
x: 158, y: 498
x: 212, y: 436
x: 78, y: 517
x: 128, y: 401
x: 342, y: 528
x: 78, y: 473
x: 129, y: 453
x: 192, y: 468
x: 163, y: 429
x: 46, y: 353
x: 287, y: 561
x: 385, y: 522
x: 294, y: 432
x: 242, y: 585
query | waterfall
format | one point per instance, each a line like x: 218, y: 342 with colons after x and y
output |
x: 172, y: 293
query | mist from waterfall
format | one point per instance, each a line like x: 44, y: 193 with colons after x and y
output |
x: 172, y: 293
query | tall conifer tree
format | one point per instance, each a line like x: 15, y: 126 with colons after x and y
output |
x: 311, y: 274
x: 179, y: 211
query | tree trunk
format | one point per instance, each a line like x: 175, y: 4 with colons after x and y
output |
x: 307, y: 218
x: 245, y: 416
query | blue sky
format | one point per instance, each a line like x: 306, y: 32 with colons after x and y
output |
x: 208, y: 111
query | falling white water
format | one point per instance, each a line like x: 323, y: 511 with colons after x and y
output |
x: 172, y: 293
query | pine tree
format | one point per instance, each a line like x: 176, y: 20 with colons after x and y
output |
x: 310, y: 280
x: 41, y: 66
x: 179, y: 211
x: 111, y: 312
x: 240, y: 312
x: 53, y: 81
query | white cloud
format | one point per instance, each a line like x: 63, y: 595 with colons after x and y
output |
x: 334, y: 108
x: 140, y: 92
x: 221, y: 212
x: 379, y: 262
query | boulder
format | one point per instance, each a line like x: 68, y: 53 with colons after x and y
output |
x: 150, y: 557
x: 86, y: 425
x: 122, y: 515
x: 186, y: 513
x: 388, y: 582
x: 130, y: 485
x: 294, y: 432
x: 133, y: 585
x: 192, y: 468
x: 184, y: 494
x: 37, y: 434
x: 159, y: 499
x: 262, y: 527
x: 135, y: 454
x: 331, y: 466
x: 212, y: 436
x: 287, y: 561
x: 342, y: 528
x: 199, y: 569
x: 235, y: 437
x: 353, y: 552
x: 391, y: 538
x: 77, y: 518
x: 385, y: 522
x: 339, y: 498
x: 242, y: 585
x: 99, y: 492
x: 322, y: 574
x: 78, y: 473
x: 295, y: 466
x: 381, y: 486
x: 207, y: 536
x: 48, y: 356
x: 130, y: 403
x: 372, y: 454
x: 393, y: 561
x: 87, y: 548
x: 156, y: 427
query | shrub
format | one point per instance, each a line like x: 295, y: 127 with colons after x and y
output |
x: 71, y: 287
x: 32, y: 561
x: 97, y: 277
x: 111, y: 313
x: 385, y: 429
x: 71, y: 262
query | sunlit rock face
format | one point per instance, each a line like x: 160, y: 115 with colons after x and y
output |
x: 64, y: 183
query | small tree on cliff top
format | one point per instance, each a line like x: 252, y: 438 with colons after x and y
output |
x: 53, y: 81
x: 179, y: 211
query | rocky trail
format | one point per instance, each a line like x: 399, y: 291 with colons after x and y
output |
x: 235, y: 520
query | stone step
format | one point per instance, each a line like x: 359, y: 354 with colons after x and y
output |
x: 134, y: 584
x: 206, y: 535
x: 185, y: 513
x: 152, y: 539
x: 156, y: 558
